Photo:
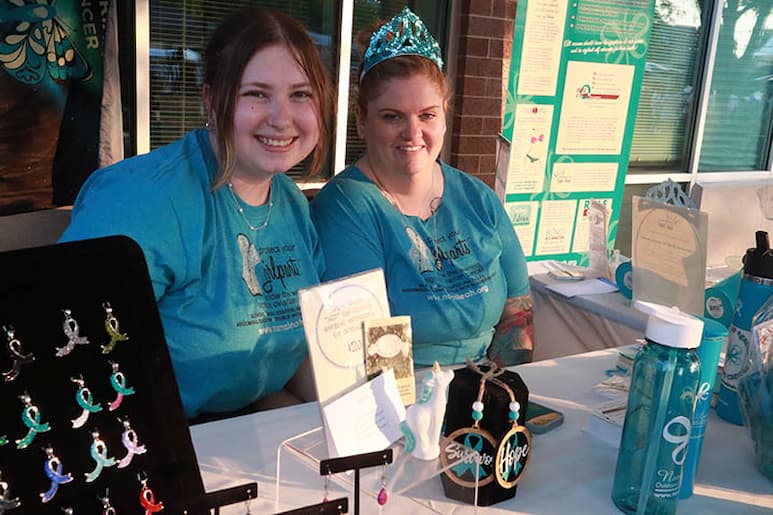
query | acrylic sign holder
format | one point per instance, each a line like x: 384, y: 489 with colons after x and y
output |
x: 84, y: 426
x: 404, y: 474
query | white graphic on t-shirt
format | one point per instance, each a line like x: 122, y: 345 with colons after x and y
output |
x: 420, y: 254
x: 250, y: 258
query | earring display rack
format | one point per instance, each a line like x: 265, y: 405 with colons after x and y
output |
x: 88, y: 425
x: 334, y: 507
x: 403, y: 475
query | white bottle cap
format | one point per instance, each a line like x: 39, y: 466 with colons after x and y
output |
x: 671, y: 327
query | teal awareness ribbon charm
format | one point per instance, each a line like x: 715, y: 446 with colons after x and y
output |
x: 85, y: 400
x: 72, y: 332
x: 3, y: 440
x: 113, y: 330
x: 30, y: 415
x: 99, y: 455
x: 118, y: 382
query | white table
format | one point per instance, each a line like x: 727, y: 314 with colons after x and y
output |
x: 569, y: 472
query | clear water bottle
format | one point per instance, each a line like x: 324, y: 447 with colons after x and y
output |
x: 656, y: 431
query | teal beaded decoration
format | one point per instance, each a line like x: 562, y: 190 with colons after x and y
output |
x: 404, y: 34
x: 515, y: 410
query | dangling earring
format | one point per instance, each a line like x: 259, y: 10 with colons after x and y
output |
x: 17, y: 353
x: 382, y: 494
x: 72, y: 331
x: 107, y: 508
x: 113, y: 329
x: 53, y: 468
x: 30, y: 415
x: 7, y: 503
x: 247, y: 502
x: 327, y: 488
x: 513, y: 451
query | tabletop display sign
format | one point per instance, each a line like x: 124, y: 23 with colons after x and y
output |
x: 496, y: 433
x: 573, y: 93
x: 333, y: 315
x: 668, y: 251
x: 91, y: 414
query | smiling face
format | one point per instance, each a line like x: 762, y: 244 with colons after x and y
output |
x: 275, y: 123
x: 404, y: 126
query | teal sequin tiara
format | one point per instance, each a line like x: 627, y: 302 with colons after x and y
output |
x: 405, y: 34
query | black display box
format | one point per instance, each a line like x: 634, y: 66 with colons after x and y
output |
x: 462, y: 393
x: 36, y: 286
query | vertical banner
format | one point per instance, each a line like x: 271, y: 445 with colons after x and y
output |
x: 573, y: 91
x: 51, y: 76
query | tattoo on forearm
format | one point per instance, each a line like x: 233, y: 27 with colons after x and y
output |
x: 514, y: 336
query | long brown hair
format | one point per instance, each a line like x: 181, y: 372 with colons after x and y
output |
x: 232, y: 45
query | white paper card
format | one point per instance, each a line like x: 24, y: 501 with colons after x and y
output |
x: 333, y: 313
x: 367, y: 419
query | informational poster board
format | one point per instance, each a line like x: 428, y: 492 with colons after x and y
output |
x: 573, y: 91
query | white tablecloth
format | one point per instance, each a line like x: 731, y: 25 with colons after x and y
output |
x: 570, y: 471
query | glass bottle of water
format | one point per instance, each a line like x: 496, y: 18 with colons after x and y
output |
x: 656, y: 431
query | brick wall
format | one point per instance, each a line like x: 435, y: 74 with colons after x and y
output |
x: 484, y: 46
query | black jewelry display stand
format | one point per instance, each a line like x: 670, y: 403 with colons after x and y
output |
x: 333, y: 507
x: 36, y: 285
x: 355, y: 463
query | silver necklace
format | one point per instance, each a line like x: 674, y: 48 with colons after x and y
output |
x: 432, y: 202
x: 240, y: 209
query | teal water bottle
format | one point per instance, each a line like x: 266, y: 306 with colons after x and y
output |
x: 658, y: 419
x: 755, y: 289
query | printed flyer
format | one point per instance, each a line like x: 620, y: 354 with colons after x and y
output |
x: 573, y: 92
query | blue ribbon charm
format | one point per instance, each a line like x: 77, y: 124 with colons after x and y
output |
x: 72, y: 331
x: 30, y: 415
x: 118, y: 382
x: 53, y: 469
x: 85, y: 400
x: 113, y: 330
x: 99, y: 454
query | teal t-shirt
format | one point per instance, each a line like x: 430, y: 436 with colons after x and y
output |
x: 227, y: 295
x: 453, y: 307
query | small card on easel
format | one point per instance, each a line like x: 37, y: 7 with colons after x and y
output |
x: 333, y: 313
x: 389, y: 345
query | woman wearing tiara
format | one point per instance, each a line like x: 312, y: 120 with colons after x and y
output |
x: 226, y: 234
x: 450, y: 256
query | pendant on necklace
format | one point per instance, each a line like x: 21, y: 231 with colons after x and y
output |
x: 438, y: 265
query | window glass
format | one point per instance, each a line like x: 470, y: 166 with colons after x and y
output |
x: 738, y: 123
x: 667, y: 106
x: 179, y: 31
